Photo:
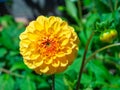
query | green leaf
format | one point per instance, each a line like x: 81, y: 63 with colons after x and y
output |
x: 10, y: 36
x: 98, y: 69
x: 2, y: 64
x: 83, y: 37
x: 43, y: 86
x: 6, y: 82
x: 59, y: 83
x: 70, y: 75
x: 74, y: 67
x: 93, y: 17
x: 108, y: 88
x: 71, y: 9
x: 3, y: 51
x: 87, y: 2
x: 115, y: 80
x: 86, y: 80
x: 6, y: 40
x: 107, y: 17
x: 13, y: 58
x: 88, y: 88
x: 7, y: 21
x: 18, y: 66
x: 102, y: 7
x: 27, y: 84
x: 114, y: 84
x: 69, y: 84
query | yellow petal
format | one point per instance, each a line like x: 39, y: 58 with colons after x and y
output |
x: 56, y: 63
x: 48, y: 61
x: 32, y: 37
x: 61, y: 54
x: 64, y: 25
x: 38, y: 26
x: 41, y: 19
x: 65, y: 34
x: 23, y: 36
x: 52, y: 20
x: 34, y: 56
x: 44, y: 70
x: 31, y: 27
x: 24, y: 43
x: 46, y: 26
x: 64, y: 63
x: 33, y: 64
x: 65, y: 42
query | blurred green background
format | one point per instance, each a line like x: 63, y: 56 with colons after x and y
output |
x: 102, y: 72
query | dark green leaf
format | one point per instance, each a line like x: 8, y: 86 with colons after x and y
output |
x: 43, y: 86
x: 98, y: 69
x: 102, y: 7
x: 18, y: 66
x: 3, y: 51
x: 6, y: 40
x: 71, y: 9
x: 6, y: 82
x: 86, y: 79
x: 60, y: 85
x: 27, y: 84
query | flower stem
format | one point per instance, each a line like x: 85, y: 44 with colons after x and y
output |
x: 80, y: 12
x: 116, y: 5
x: 53, y: 82
x: 83, y: 61
x: 110, y: 5
x: 101, y: 49
x: 11, y: 73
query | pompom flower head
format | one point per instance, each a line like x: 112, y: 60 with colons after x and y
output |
x: 48, y: 45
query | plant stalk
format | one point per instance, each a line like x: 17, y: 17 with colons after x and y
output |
x: 53, y: 82
x: 83, y: 61
x: 116, y: 5
x: 110, y: 5
x: 101, y: 49
x: 80, y: 12
x: 11, y: 73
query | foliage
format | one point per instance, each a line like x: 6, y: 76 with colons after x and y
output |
x: 102, y: 72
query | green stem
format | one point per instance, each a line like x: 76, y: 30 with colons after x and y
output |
x: 83, y: 61
x: 53, y: 82
x: 80, y: 12
x: 116, y: 5
x: 101, y: 49
x: 110, y: 5
x: 11, y: 73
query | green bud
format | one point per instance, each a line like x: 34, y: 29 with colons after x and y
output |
x: 108, y: 35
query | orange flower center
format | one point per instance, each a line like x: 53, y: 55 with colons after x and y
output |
x: 48, y: 47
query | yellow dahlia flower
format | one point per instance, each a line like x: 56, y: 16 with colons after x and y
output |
x: 48, y: 45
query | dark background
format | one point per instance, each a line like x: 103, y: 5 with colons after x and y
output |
x: 30, y: 8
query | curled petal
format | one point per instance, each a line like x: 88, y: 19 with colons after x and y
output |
x: 44, y: 70
x: 64, y: 63
x: 56, y: 63
x: 33, y: 64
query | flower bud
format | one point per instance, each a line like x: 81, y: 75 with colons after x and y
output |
x: 108, y: 35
